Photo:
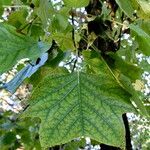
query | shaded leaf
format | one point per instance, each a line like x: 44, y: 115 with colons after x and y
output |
x: 44, y: 11
x: 7, y: 139
x: 64, y: 40
x: 127, y: 7
x: 76, y: 3
x: 75, y: 145
x: 18, y: 18
x: 14, y: 46
x: 130, y: 70
x: 2, y: 3
x: 59, y: 22
x: 135, y: 95
x: 26, y: 72
x: 142, y: 38
x: 44, y: 71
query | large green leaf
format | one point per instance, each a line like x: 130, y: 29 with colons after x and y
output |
x: 80, y: 104
x: 142, y: 38
x: 76, y: 3
x: 15, y: 46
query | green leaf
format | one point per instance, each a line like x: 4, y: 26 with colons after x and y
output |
x: 44, y: 11
x: 37, y: 31
x: 79, y: 104
x: 142, y: 38
x: 7, y: 139
x: 64, y: 40
x: 15, y: 46
x: 145, y: 25
x: 59, y: 22
x: 36, y: 78
x: 135, y: 95
x: 130, y: 70
x: 2, y: 3
x: 75, y: 145
x: 76, y: 3
x: 127, y: 7
x: 18, y: 18
x: 145, y: 7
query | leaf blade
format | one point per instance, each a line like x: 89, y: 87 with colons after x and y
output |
x: 67, y: 108
x: 14, y: 46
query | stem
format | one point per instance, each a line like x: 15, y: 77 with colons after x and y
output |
x: 19, y: 6
x: 73, y: 39
x: 128, y: 138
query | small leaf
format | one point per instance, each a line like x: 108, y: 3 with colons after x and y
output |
x: 126, y: 6
x: 135, y: 96
x: 142, y: 38
x: 145, y: 7
x: 44, y: 11
x: 64, y: 40
x: 14, y: 46
x: 18, y: 18
x: 130, y: 70
x: 76, y: 3
x: 59, y: 22
x: 2, y: 3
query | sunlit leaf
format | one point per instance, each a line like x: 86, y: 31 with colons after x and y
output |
x: 79, y: 104
x: 76, y: 3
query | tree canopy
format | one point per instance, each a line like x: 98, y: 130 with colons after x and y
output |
x: 82, y: 58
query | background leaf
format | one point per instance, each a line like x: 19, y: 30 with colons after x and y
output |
x: 44, y: 11
x: 2, y: 3
x: 76, y: 3
x: 127, y: 7
x: 18, y: 18
x: 142, y: 38
x: 14, y: 46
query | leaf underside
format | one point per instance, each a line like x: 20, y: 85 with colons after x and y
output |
x: 79, y: 104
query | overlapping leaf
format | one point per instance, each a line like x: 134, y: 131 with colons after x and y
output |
x: 44, y: 11
x: 144, y: 8
x: 142, y: 38
x: 2, y: 4
x: 14, y: 46
x: 126, y: 6
x: 76, y: 3
x: 79, y: 104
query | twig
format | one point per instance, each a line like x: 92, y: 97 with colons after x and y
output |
x: 73, y: 39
